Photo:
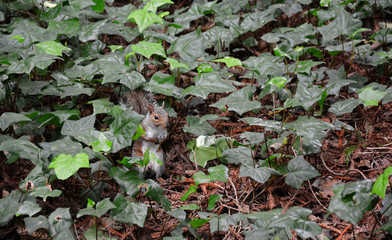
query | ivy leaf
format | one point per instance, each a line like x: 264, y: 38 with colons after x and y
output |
x: 207, y: 83
x: 299, y: 171
x: 198, y: 128
x: 370, y: 97
x: 260, y: 174
x: 153, y: 5
x: 28, y: 208
x: 204, y: 67
x: 382, y: 182
x: 353, y: 200
x: 239, y: 155
x: 345, y: 106
x: 305, y: 96
x: 212, y: 201
x: 9, y: 118
x: 188, y: 46
x: 102, y: 144
x: 101, y: 208
x: 65, y: 165
x: 229, y: 61
x: 344, y: 24
x: 276, y: 126
x: 239, y: 101
x: 192, y: 189
x: 99, y: 6
x: 219, y: 173
x: 144, y: 18
x: 129, y: 212
x: 175, y: 64
x: 148, y: 48
x: 45, y: 192
x: 34, y: 223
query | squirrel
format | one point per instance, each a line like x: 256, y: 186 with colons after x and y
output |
x: 154, y: 125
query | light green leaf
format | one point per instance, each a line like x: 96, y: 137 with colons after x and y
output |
x: 66, y: 165
x: 370, y: 97
x: 153, y: 5
x: 229, y: 61
x: 53, y: 48
x: 175, y: 64
x: 382, y: 182
x: 144, y: 18
x: 148, y: 48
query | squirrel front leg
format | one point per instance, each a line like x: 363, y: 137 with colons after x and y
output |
x: 150, y: 139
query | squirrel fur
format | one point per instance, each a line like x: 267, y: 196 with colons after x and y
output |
x: 154, y: 125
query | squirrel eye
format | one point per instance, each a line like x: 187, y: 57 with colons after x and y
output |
x: 156, y: 117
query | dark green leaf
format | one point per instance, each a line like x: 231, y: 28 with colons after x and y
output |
x: 353, y: 200
x: 239, y: 101
x: 34, y: 223
x: 9, y: 118
x: 9, y: 205
x: 212, y: 201
x: 28, y: 208
x: 101, y: 208
x: 188, y: 46
x: 370, y: 97
x: 260, y: 174
x: 59, y: 221
x: 238, y: 155
x: 198, y: 128
x: 299, y: 171
x: 345, y: 106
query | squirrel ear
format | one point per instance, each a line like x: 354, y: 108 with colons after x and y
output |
x: 163, y: 104
x: 150, y: 108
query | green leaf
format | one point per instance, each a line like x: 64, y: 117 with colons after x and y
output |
x: 229, y: 61
x: 278, y: 81
x: 190, y: 207
x: 197, y: 222
x: 99, y: 6
x: 66, y: 165
x: 19, y: 38
x: 144, y: 18
x: 212, y: 200
x: 175, y: 64
x: 188, y: 46
x: 239, y: 155
x: 305, y: 96
x: 382, y: 182
x: 148, y: 48
x: 23, y: 149
x: 93, y: 234
x: 9, y: 118
x: 344, y: 24
x: 101, y: 208
x: 102, y: 145
x: 370, y: 97
x: 76, y: 128
x: 305, y: 66
x: 198, y: 128
x: 28, y: 208
x: 260, y: 174
x: 34, y: 223
x: 239, y: 101
x: 353, y: 200
x: 130, y: 212
x: 207, y: 83
x: 219, y: 173
x: 299, y: 171
x: 192, y: 189
x: 153, y: 5
x: 204, y: 68
x: 59, y: 222
x: 201, y: 177
x: 276, y: 126
x: 53, y: 48
x: 9, y: 205
x: 345, y: 106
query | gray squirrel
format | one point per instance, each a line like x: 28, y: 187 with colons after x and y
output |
x: 154, y: 125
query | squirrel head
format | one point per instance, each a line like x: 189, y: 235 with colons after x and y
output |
x: 158, y: 116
